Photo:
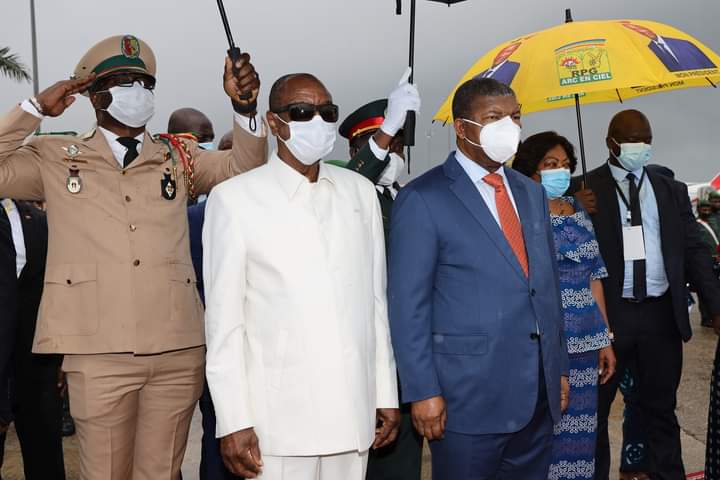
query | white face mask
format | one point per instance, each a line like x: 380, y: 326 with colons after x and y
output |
x: 499, y: 140
x: 132, y: 106
x: 392, y: 172
x: 310, y: 141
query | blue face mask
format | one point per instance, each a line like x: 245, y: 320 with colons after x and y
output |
x: 206, y: 145
x: 633, y: 156
x: 555, y: 181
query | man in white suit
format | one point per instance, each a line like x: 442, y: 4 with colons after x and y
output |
x: 299, y: 362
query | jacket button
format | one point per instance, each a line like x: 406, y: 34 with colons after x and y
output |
x: 124, y: 172
x: 127, y: 198
x: 136, y: 262
x: 133, y: 228
x: 532, y: 292
x: 189, y: 281
x: 69, y: 282
x: 534, y: 336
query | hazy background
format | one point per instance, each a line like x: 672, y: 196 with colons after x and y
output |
x: 359, y: 49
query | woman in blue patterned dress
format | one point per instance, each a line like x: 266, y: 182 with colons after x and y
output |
x: 549, y: 158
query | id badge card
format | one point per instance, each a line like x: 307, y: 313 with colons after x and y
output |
x: 633, y: 243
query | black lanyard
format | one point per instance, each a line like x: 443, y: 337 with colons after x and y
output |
x: 628, y: 216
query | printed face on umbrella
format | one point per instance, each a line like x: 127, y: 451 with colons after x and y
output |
x: 505, y: 53
x: 641, y: 30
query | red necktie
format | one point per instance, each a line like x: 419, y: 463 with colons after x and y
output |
x: 509, y: 220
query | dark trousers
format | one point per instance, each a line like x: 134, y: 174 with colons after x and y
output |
x: 211, y: 463
x: 523, y: 455
x: 403, y: 459
x: 648, y: 342
x: 37, y: 411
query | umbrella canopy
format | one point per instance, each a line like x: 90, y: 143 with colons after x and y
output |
x: 599, y: 61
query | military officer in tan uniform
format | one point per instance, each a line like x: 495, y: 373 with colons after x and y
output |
x: 120, y: 299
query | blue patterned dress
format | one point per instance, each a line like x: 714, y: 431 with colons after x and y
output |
x: 579, y: 262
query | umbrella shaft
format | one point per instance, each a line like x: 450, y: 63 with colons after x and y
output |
x: 226, y: 24
x: 582, y: 140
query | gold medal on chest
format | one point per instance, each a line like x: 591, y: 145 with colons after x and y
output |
x: 74, y: 183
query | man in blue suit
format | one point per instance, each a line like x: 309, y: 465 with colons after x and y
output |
x: 675, y: 53
x: 502, y: 69
x: 474, y: 300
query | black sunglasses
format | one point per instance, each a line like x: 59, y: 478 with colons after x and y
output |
x: 304, y: 112
x: 125, y: 80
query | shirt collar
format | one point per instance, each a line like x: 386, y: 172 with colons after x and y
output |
x: 112, y: 138
x: 620, y: 174
x: 475, y: 171
x: 290, y: 179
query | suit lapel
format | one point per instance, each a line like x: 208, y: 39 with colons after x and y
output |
x: 468, y: 194
x: 664, y: 201
x: 609, y: 209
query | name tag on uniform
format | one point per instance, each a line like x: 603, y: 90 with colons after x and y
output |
x: 633, y: 243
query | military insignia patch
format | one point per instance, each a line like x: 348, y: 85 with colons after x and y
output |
x: 130, y: 46
x: 74, y: 183
x: 168, y: 188
x: 72, y: 150
x: 583, y: 62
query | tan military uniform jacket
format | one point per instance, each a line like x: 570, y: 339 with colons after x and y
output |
x: 119, y: 276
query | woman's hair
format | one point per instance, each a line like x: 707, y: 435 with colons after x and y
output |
x: 534, y: 148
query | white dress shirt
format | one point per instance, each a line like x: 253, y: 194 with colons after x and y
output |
x: 298, y: 344
x: 487, y: 192
x: 118, y: 149
x: 656, y: 278
x: 17, y: 234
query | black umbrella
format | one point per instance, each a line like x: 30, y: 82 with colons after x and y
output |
x: 409, y: 128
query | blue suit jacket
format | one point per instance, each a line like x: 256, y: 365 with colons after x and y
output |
x: 689, y: 56
x: 505, y: 74
x: 462, y: 311
x: 196, y: 219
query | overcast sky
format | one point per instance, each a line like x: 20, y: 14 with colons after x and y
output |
x: 359, y: 49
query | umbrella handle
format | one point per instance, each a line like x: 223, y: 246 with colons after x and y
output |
x: 234, y: 54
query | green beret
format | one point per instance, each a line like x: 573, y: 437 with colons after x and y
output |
x: 704, y: 203
x: 367, y: 118
x: 714, y: 194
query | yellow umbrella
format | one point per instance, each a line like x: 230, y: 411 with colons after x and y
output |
x: 594, y: 61
x: 600, y: 61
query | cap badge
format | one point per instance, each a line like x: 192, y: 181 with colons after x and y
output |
x: 130, y: 46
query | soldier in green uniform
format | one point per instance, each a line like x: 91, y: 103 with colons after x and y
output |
x: 374, y: 133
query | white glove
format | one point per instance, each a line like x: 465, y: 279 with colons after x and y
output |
x: 403, y: 99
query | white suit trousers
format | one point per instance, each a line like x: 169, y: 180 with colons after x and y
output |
x: 341, y: 466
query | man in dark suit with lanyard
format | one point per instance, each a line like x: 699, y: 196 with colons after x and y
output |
x: 651, y: 244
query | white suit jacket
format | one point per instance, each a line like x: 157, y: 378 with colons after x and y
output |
x: 296, y: 316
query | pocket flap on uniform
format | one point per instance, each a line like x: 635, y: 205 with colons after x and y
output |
x: 181, y: 272
x: 71, y: 273
x: 460, y: 344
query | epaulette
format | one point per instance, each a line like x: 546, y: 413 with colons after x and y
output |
x: 178, y: 148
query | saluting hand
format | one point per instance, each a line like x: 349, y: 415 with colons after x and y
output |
x: 429, y: 417
x: 241, y: 453
x: 55, y: 99
x: 246, y: 81
x: 388, y: 420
